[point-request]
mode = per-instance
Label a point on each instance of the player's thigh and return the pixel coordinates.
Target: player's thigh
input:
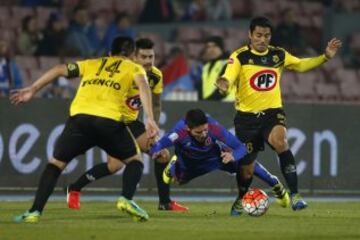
(117, 140)
(74, 139)
(274, 130)
(137, 128)
(248, 130)
(114, 164)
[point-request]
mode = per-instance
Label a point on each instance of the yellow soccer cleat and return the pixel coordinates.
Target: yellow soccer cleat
(28, 217)
(282, 196)
(167, 178)
(130, 207)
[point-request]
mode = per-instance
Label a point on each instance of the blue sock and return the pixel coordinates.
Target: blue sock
(261, 172)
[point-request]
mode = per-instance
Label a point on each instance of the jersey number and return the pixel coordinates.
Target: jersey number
(112, 68)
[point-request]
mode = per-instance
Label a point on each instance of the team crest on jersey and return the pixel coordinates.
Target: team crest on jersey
(251, 61)
(275, 58)
(230, 61)
(134, 102)
(264, 80)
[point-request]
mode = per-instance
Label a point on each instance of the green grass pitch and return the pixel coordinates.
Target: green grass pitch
(206, 220)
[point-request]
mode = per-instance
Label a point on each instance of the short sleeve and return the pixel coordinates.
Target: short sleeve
(158, 88)
(232, 69)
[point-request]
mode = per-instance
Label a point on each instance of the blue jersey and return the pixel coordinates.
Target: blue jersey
(196, 155)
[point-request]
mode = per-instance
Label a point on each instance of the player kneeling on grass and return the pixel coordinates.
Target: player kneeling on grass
(203, 145)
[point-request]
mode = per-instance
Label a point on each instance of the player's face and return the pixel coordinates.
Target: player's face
(145, 57)
(200, 133)
(260, 38)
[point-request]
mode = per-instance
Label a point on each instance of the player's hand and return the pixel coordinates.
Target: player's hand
(227, 157)
(152, 129)
(222, 84)
(163, 156)
(332, 47)
(22, 95)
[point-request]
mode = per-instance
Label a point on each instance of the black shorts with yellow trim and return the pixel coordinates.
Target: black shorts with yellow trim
(136, 127)
(253, 129)
(83, 132)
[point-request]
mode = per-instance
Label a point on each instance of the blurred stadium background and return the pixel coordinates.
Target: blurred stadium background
(323, 104)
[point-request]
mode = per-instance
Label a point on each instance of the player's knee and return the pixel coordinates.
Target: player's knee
(59, 164)
(280, 145)
(115, 166)
(164, 157)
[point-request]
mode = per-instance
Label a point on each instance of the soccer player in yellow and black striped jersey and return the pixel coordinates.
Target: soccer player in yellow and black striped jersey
(95, 115)
(145, 56)
(254, 71)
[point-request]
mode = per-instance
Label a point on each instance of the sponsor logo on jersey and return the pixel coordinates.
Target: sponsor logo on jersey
(101, 82)
(264, 80)
(230, 61)
(134, 103)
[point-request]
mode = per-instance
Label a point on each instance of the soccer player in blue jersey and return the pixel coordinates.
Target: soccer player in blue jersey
(203, 145)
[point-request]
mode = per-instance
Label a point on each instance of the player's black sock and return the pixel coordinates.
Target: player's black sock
(131, 178)
(243, 184)
(288, 169)
(46, 186)
(98, 171)
(163, 188)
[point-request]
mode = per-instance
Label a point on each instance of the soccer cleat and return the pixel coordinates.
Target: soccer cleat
(131, 208)
(298, 202)
(236, 208)
(282, 196)
(28, 217)
(167, 178)
(173, 206)
(73, 198)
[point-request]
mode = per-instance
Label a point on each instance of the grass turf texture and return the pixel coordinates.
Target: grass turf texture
(206, 220)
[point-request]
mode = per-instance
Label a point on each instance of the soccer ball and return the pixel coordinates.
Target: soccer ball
(255, 202)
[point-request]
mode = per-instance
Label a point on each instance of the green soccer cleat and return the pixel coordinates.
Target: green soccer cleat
(298, 203)
(131, 208)
(236, 208)
(167, 178)
(282, 196)
(28, 217)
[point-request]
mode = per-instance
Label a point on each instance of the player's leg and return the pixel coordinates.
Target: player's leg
(73, 191)
(72, 142)
(277, 138)
(282, 196)
(119, 143)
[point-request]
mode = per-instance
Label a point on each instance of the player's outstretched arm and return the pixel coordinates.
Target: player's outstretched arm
(145, 96)
(26, 94)
(332, 47)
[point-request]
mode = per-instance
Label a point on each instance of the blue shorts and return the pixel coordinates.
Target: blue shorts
(186, 170)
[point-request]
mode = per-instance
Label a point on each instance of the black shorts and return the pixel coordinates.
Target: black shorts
(83, 132)
(136, 127)
(254, 129)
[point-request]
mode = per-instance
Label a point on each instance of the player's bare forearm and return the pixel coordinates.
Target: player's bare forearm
(50, 76)
(145, 95)
(156, 107)
(222, 84)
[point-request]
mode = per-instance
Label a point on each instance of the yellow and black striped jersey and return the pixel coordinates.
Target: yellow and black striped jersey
(256, 76)
(132, 104)
(104, 84)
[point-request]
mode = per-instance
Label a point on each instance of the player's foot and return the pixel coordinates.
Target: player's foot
(236, 208)
(28, 217)
(131, 208)
(173, 206)
(72, 198)
(167, 177)
(282, 196)
(297, 202)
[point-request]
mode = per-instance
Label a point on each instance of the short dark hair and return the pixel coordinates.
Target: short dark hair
(217, 40)
(124, 46)
(260, 22)
(144, 43)
(195, 118)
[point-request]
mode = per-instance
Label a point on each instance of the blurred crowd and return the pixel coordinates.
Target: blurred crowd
(39, 33)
